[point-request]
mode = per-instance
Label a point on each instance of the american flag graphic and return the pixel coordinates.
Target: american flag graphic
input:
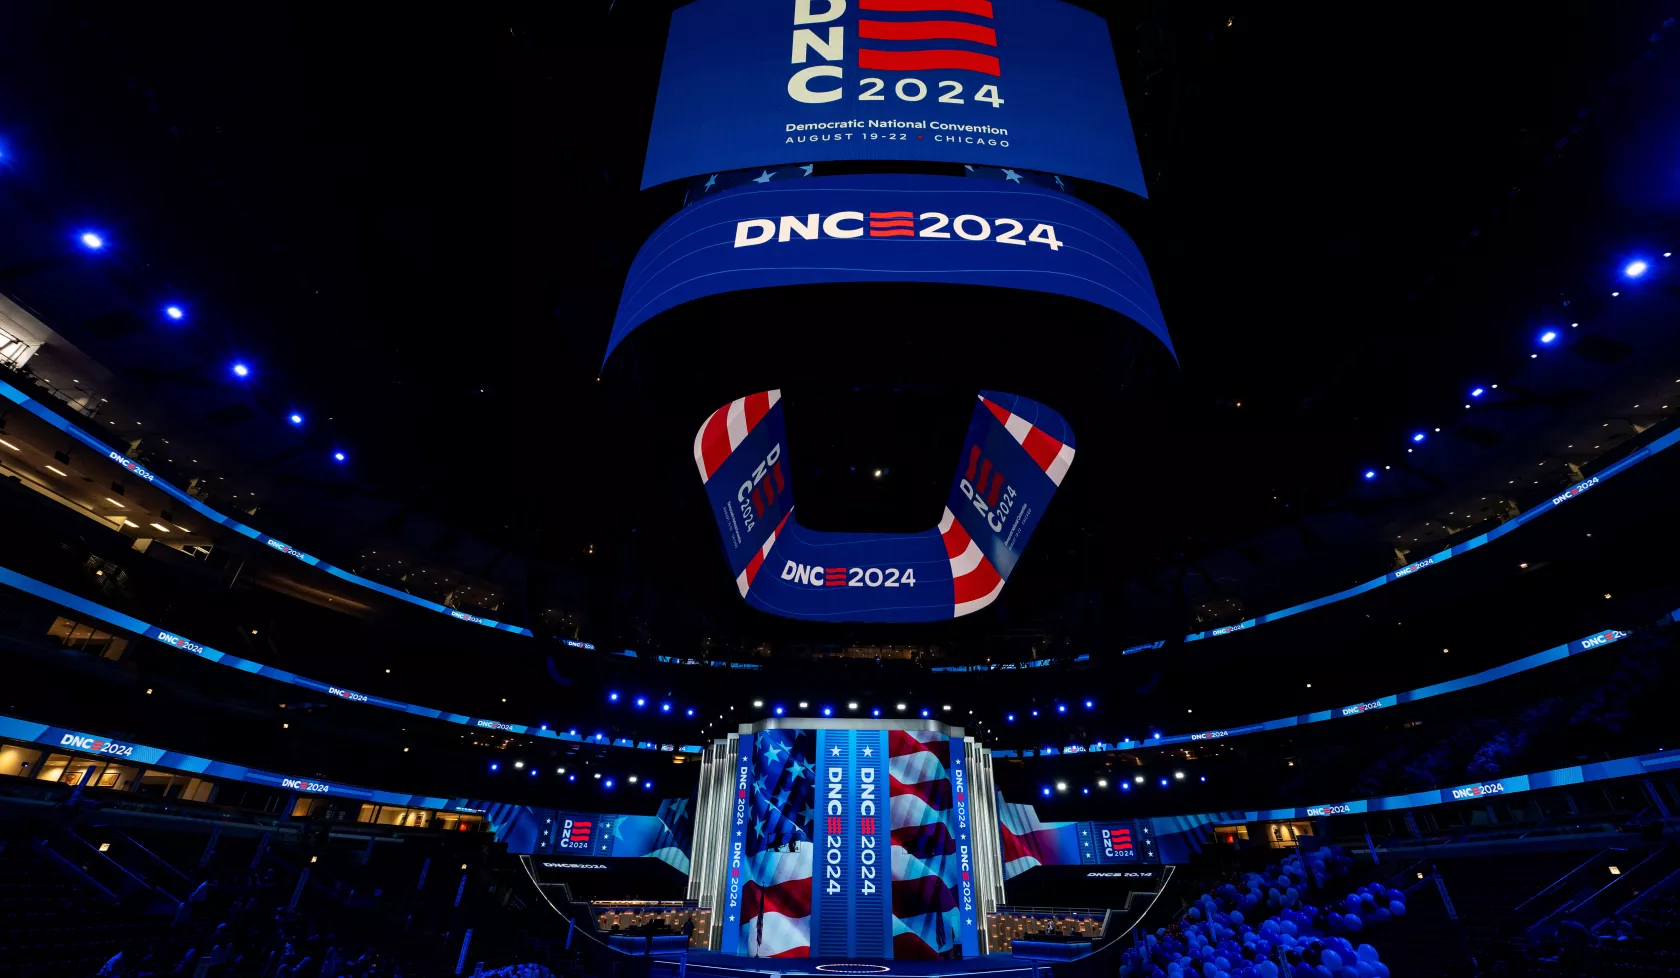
(776, 898)
(578, 831)
(1028, 842)
(896, 36)
(925, 867)
(1117, 839)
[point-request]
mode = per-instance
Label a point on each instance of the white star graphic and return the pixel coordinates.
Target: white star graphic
(869, 752)
(808, 168)
(835, 752)
(1011, 176)
(764, 177)
(711, 182)
(1059, 183)
(968, 168)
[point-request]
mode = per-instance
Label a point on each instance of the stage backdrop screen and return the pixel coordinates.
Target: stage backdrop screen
(855, 845)
(1010, 464)
(889, 227)
(1015, 83)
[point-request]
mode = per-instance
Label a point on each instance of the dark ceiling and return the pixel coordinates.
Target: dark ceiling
(414, 225)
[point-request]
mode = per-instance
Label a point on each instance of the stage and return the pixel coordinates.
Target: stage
(717, 963)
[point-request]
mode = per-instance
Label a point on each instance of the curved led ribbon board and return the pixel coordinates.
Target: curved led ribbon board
(1013, 459)
(134, 468)
(88, 610)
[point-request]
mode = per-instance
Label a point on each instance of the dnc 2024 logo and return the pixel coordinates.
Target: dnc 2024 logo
(895, 38)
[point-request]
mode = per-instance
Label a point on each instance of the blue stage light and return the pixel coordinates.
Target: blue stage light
(240, 370)
(924, 714)
(613, 697)
(1548, 336)
(1156, 736)
(571, 777)
(607, 784)
(647, 785)
(1636, 268)
(1010, 718)
(1045, 791)
(339, 456)
(1163, 782)
(295, 418)
(174, 312)
(641, 701)
(778, 711)
(494, 766)
(664, 707)
(828, 711)
(691, 711)
(1370, 473)
(876, 712)
(1125, 786)
(1204, 777)
(1418, 437)
(533, 772)
(1477, 392)
(91, 241)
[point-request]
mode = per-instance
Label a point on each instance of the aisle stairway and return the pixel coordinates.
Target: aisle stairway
(51, 926)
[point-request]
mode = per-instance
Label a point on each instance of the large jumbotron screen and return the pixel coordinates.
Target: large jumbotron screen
(850, 843)
(1010, 464)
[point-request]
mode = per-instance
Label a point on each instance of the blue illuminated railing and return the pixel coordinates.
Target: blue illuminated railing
(1512, 668)
(110, 616)
(134, 468)
(1621, 767)
(1434, 560)
(63, 738)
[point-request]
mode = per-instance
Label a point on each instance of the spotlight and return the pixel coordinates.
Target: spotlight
(1061, 707)
(91, 241)
(924, 714)
(1548, 336)
(1204, 777)
(901, 706)
(1102, 782)
(828, 712)
(240, 370)
(758, 704)
(804, 705)
(1010, 718)
(1138, 779)
(1045, 791)
(607, 783)
(647, 785)
(1085, 791)
(339, 457)
(1125, 786)
(494, 766)
(641, 701)
(519, 765)
(852, 705)
(691, 711)
(1163, 782)
(1179, 775)
(1035, 713)
(664, 707)
(1418, 436)
(778, 711)
(1370, 473)
(174, 312)
(1061, 786)
(876, 712)
(1478, 392)
(1089, 704)
(613, 697)
(1635, 268)
(632, 779)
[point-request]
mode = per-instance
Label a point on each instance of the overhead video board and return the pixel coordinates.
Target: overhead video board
(1020, 83)
(1011, 462)
(889, 228)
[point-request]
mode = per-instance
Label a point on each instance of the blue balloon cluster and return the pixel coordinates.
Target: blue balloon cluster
(1259, 927)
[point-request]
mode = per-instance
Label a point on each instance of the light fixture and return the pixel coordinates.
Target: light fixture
(877, 473)
(113, 502)
(632, 779)
(1179, 775)
(9, 445)
(241, 370)
(338, 456)
(758, 704)
(1635, 268)
(852, 705)
(1370, 473)
(1138, 779)
(1548, 336)
(901, 706)
(174, 312)
(804, 705)
(295, 418)
(1478, 392)
(1418, 436)
(519, 765)
(1102, 782)
(1061, 786)
(91, 241)
(55, 470)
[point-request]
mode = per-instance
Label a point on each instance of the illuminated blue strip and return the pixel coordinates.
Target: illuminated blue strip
(86, 609)
(1621, 767)
(1616, 468)
(76, 741)
(105, 451)
(1512, 668)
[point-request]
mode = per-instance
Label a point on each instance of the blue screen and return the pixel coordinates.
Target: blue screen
(1011, 462)
(889, 228)
(1018, 83)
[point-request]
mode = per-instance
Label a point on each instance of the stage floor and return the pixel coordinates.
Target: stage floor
(717, 963)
